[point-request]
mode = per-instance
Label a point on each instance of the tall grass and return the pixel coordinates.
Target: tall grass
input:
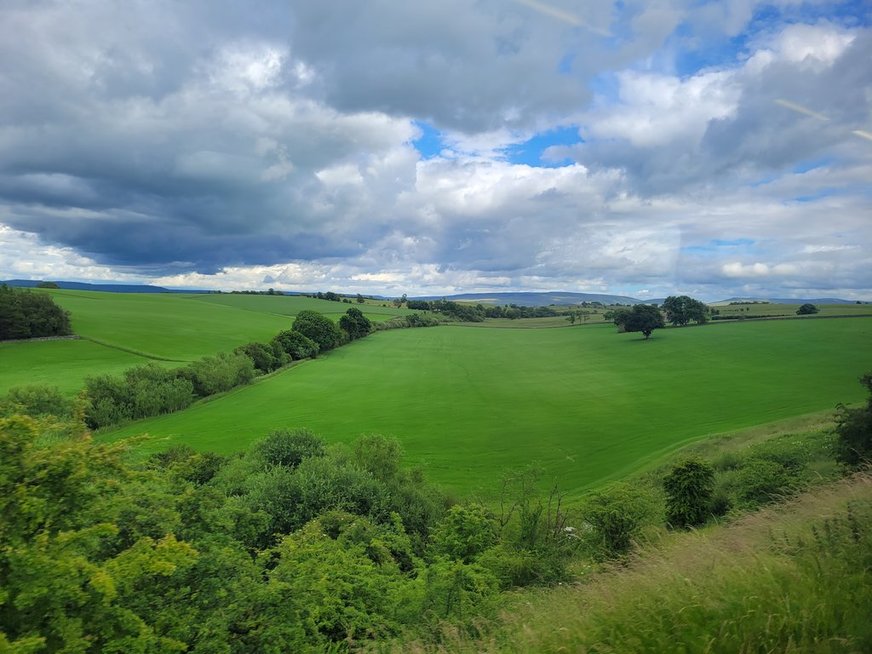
(796, 578)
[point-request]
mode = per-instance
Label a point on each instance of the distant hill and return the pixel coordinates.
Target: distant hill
(535, 299)
(109, 287)
(793, 300)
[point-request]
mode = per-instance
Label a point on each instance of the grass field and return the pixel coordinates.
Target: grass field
(125, 329)
(586, 403)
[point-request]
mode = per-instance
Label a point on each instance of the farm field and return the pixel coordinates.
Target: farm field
(585, 403)
(120, 330)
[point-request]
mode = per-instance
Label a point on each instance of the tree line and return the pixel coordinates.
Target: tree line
(479, 312)
(24, 314)
(151, 390)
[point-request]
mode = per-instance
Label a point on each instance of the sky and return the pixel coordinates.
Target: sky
(636, 147)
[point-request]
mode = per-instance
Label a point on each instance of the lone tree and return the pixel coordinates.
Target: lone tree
(807, 309)
(643, 318)
(854, 431)
(681, 309)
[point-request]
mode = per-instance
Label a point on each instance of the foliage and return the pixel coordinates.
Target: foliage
(465, 533)
(288, 448)
(854, 431)
(295, 345)
(689, 493)
(36, 400)
(24, 314)
(265, 358)
(807, 309)
(412, 320)
(142, 391)
(681, 309)
(355, 324)
(219, 373)
(643, 318)
(616, 515)
(319, 328)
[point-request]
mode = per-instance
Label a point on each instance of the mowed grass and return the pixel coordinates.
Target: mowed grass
(120, 330)
(586, 404)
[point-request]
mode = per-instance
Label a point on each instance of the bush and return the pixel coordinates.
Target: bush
(807, 309)
(617, 515)
(141, 392)
(295, 345)
(218, 373)
(36, 400)
(264, 357)
(854, 431)
(689, 490)
(319, 328)
(465, 533)
(289, 448)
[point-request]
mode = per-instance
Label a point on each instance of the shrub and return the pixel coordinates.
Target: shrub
(24, 314)
(807, 309)
(466, 532)
(295, 345)
(616, 515)
(355, 324)
(218, 373)
(36, 400)
(289, 448)
(854, 431)
(262, 356)
(689, 490)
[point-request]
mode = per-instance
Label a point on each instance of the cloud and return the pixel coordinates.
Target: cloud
(206, 144)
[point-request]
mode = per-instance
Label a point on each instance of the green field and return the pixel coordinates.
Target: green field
(586, 403)
(120, 330)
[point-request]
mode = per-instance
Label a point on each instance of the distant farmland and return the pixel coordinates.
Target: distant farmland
(586, 403)
(123, 330)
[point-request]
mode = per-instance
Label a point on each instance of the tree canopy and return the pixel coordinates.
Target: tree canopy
(807, 309)
(355, 323)
(643, 318)
(319, 328)
(24, 314)
(681, 309)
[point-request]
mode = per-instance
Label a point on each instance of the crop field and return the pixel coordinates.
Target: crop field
(585, 403)
(120, 330)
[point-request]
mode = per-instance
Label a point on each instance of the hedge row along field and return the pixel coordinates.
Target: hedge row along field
(588, 404)
(121, 330)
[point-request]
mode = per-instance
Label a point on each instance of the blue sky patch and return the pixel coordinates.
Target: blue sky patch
(430, 143)
(530, 151)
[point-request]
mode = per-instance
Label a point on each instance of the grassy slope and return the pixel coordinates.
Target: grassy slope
(792, 578)
(587, 403)
(126, 329)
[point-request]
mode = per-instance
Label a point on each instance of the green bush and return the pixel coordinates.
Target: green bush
(24, 314)
(319, 328)
(264, 357)
(689, 491)
(616, 515)
(36, 400)
(289, 448)
(295, 345)
(219, 373)
(355, 324)
(853, 446)
(465, 533)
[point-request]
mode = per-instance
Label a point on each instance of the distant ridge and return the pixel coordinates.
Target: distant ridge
(108, 287)
(535, 299)
(789, 300)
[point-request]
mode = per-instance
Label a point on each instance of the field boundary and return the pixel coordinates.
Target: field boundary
(130, 350)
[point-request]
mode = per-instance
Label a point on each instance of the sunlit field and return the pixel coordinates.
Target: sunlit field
(586, 403)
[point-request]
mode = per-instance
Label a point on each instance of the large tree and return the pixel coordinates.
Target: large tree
(319, 328)
(355, 323)
(643, 318)
(681, 309)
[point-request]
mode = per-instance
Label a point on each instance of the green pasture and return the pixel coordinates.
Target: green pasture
(586, 403)
(120, 330)
(788, 310)
(61, 363)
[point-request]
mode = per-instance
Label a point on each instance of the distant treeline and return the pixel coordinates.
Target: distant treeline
(478, 312)
(24, 314)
